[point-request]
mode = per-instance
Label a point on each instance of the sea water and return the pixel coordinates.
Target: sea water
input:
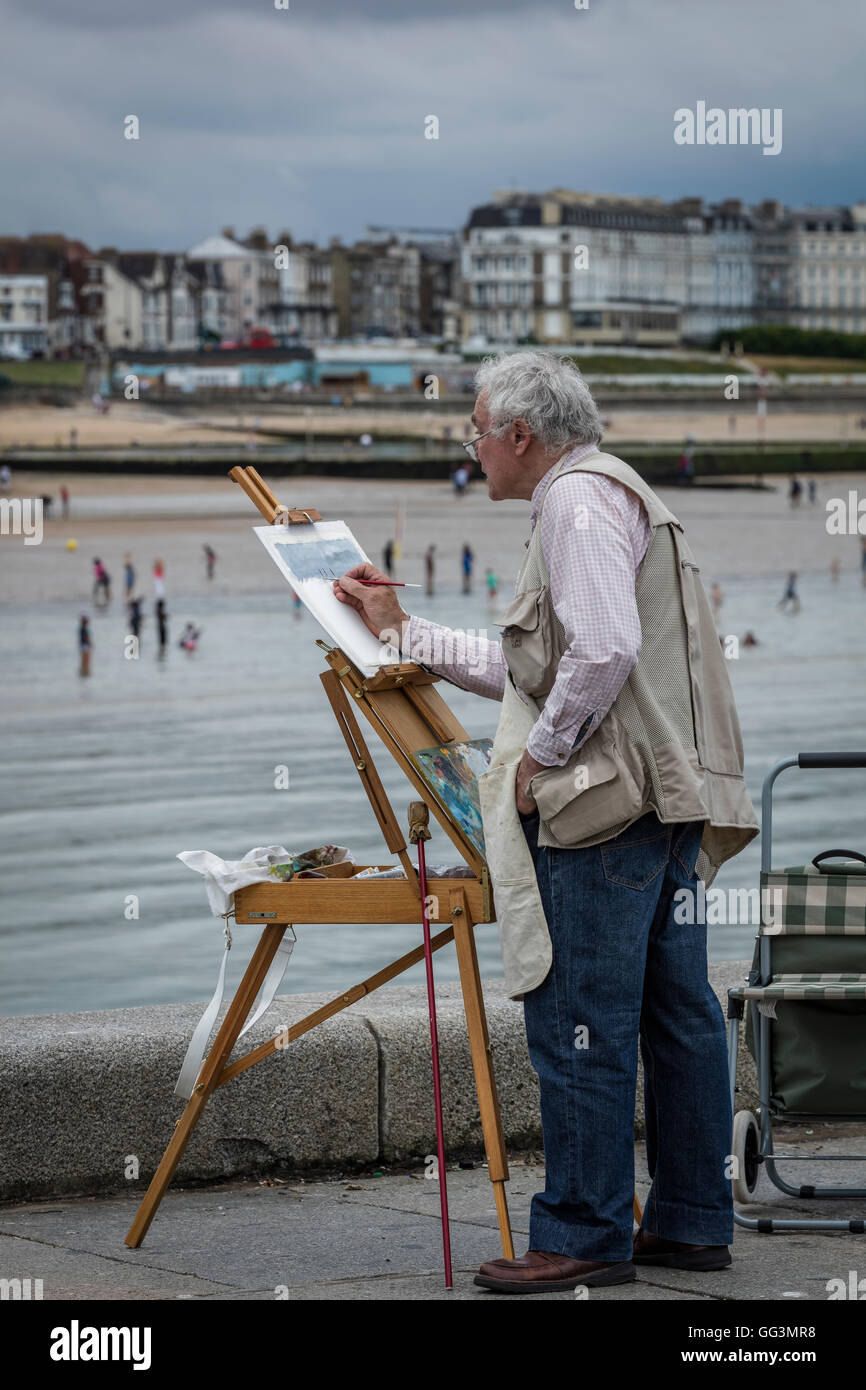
(105, 780)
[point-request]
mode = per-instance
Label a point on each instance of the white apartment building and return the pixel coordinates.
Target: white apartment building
(721, 274)
(306, 311)
(113, 306)
(23, 314)
(565, 267)
(250, 281)
(827, 282)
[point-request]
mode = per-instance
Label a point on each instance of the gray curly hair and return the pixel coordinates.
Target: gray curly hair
(546, 391)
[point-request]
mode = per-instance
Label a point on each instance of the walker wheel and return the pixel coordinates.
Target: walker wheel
(746, 1149)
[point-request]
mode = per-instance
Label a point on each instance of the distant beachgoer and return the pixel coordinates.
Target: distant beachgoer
(750, 640)
(388, 558)
(96, 402)
(101, 583)
(161, 626)
(64, 500)
(834, 568)
(467, 560)
(136, 618)
(189, 638)
(73, 438)
(460, 479)
(717, 598)
(47, 503)
(813, 491)
(128, 577)
(210, 560)
(492, 583)
(85, 645)
(790, 595)
(795, 490)
(687, 464)
(159, 578)
(429, 569)
(5, 477)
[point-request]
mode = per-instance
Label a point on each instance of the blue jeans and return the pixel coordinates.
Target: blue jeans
(624, 968)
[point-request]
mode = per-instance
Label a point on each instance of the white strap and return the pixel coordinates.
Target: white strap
(198, 1042)
(273, 980)
(189, 1072)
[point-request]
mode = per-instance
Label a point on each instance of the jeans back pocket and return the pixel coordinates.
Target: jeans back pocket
(638, 854)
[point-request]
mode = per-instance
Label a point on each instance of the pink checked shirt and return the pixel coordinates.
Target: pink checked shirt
(594, 536)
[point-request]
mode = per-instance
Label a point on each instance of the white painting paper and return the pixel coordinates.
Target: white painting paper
(311, 556)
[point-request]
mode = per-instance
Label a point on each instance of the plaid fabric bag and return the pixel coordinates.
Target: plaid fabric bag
(815, 998)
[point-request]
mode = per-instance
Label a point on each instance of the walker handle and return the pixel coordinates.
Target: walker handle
(843, 759)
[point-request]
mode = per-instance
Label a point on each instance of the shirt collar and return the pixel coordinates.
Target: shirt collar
(574, 456)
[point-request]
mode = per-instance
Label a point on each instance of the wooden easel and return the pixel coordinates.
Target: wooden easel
(407, 714)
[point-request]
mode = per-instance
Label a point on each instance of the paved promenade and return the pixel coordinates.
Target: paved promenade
(377, 1236)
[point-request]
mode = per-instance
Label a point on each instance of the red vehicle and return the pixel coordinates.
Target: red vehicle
(260, 338)
(256, 338)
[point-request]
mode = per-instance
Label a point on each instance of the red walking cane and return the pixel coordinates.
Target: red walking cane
(419, 816)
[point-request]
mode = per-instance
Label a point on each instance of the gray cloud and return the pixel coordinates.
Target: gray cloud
(312, 118)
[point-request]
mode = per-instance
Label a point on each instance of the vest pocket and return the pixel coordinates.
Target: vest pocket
(602, 784)
(527, 642)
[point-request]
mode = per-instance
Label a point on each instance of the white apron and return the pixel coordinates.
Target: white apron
(527, 952)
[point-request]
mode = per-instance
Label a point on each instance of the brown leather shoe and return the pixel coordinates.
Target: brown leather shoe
(676, 1254)
(539, 1271)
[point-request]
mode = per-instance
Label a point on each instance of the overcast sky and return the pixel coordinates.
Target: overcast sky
(312, 118)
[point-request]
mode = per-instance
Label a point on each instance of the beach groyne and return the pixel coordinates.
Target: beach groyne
(414, 461)
(88, 1101)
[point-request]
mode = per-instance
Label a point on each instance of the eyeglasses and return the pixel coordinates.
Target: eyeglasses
(469, 444)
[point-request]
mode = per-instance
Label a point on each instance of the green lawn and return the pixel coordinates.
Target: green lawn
(616, 363)
(600, 363)
(45, 373)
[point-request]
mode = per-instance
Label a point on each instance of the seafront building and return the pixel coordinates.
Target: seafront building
(23, 314)
(563, 267)
(32, 320)
(555, 268)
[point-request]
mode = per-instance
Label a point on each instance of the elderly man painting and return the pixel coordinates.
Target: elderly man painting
(616, 780)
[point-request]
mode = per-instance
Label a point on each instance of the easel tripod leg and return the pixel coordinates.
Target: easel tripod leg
(214, 1064)
(482, 1063)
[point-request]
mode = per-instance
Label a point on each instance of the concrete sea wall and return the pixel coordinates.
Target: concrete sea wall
(87, 1100)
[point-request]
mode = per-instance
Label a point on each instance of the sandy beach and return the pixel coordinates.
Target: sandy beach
(133, 423)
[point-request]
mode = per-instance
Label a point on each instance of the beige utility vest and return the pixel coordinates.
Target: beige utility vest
(671, 740)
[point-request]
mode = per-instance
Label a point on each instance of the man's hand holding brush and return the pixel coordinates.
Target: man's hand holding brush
(370, 592)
